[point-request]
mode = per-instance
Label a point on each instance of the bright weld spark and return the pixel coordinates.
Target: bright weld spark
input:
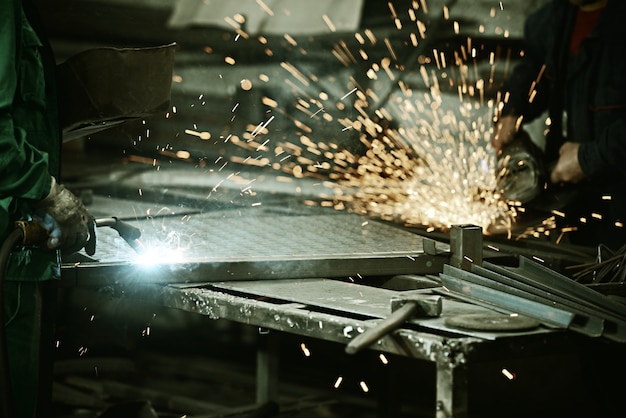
(508, 374)
(265, 7)
(201, 135)
(262, 126)
(329, 23)
(321, 109)
(338, 382)
(383, 359)
(348, 93)
(305, 350)
(156, 253)
(364, 387)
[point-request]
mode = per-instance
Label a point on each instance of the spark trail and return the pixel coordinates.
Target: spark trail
(425, 158)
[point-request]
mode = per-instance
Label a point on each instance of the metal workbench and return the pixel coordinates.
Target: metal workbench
(307, 274)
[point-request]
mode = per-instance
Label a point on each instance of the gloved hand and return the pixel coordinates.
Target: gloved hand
(70, 226)
(505, 130)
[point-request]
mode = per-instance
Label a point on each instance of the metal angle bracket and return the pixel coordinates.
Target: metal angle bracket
(581, 299)
(567, 285)
(456, 280)
(585, 321)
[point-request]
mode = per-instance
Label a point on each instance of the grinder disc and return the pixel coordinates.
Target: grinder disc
(492, 322)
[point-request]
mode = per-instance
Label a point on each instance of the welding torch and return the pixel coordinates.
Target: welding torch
(32, 233)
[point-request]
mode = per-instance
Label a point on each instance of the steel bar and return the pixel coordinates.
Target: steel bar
(552, 317)
(569, 286)
(540, 283)
(585, 320)
(587, 316)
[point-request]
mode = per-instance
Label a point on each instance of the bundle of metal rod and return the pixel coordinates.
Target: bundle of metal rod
(610, 268)
(535, 291)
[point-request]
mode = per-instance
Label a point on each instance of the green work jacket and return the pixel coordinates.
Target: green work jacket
(30, 138)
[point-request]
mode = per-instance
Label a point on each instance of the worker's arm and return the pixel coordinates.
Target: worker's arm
(24, 171)
(23, 168)
(521, 99)
(606, 156)
(522, 102)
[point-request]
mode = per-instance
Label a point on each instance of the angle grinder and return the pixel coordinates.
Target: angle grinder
(520, 171)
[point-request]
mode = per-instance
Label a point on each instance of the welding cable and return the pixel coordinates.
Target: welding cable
(6, 393)
(24, 233)
(33, 233)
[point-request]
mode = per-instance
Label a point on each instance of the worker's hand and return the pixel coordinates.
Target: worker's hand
(505, 130)
(567, 169)
(70, 226)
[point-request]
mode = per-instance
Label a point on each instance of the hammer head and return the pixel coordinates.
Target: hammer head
(426, 305)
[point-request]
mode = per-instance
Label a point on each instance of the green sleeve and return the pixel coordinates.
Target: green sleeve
(23, 168)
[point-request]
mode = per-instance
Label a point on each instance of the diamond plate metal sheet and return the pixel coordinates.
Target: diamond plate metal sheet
(234, 244)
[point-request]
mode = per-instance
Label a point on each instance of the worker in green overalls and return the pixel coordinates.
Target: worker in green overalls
(30, 144)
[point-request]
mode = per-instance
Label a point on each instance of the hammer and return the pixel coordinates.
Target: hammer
(403, 308)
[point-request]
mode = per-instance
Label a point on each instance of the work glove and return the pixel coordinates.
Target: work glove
(70, 226)
(505, 131)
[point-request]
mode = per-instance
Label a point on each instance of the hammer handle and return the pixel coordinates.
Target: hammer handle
(384, 327)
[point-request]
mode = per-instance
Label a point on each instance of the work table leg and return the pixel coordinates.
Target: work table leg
(452, 399)
(267, 368)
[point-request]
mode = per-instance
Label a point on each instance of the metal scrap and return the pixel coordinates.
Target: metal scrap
(541, 293)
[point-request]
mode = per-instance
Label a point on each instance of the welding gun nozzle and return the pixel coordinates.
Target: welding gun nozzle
(129, 233)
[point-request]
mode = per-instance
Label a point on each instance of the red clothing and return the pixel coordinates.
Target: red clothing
(585, 23)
